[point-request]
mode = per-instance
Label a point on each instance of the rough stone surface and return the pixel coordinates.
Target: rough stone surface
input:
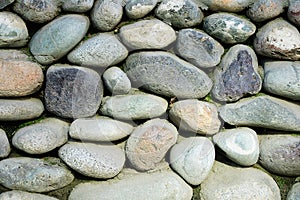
(20, 109)
(133, 107)
(159, 186)
(37, 11)
(294, 193)
(77, 5)
(179, 13)
(278, 39)
(5, 3)
(13, 30)
(93, 160)
(33, 174)
(193, 159)
(101, 50)
(282, 78)
(263, 111)
(228, 28)
(58, 37)
(147, 34)
(280, 154)
(240, 145)
(139, 8)
(99, 129)
(19, 78)
(165, 74)
(22, 195)
(293, 12)
(225, 5)
(106, 14)
(4, 144)
(72, 91)
(198, 48)
(237, 75)
(116, 81)
(227, 183)
(13, 54)
(148, 144)
(41, 137)
(197, 116)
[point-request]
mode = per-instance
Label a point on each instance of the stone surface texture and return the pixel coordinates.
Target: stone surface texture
(4, 144)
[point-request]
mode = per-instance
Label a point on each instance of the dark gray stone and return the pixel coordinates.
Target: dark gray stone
(4, 144)
(139, 8)
(77, 5)
(293, 12)
(221, 5)
(237, 75)
(166, 74)
(116, 81)
(294, 193)
(228, 28)
(72, 91)
(5, 3)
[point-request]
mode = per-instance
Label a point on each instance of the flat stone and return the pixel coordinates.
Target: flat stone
(237, 75)
(197, 116)
(13, 30)
(226, 182)
(293, 12)
(179, 13)
(198, 48)
(13, 54)
(228, 28)
(33, 174)
(72, 92)
(159, 186)
(20, 109)
(240, 145)
(93, 160)
(148, 144)
(4, 144)
(22, 195)
(280, 154)
(225, 5)
(282, 78)
(106, 14)
(193, 159)
(37, 11)
(5, 3)
(278, 39)
(99, 129)
(77, 5)
(263, 111)
(101, 50)
(147, 34)
(116, 81)
(294, 192)
(41, 137)
(133, 107)
(166, 74)
(20, 78)
(136, 9)
(58, 37)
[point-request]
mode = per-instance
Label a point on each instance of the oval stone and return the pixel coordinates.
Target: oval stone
(13, 54)
(139, 8)
(224, 5)
(294, 192)
(4, 144)
(57, 38)
(116, 81)
(22, 195)
(77, 5)
(5, 3)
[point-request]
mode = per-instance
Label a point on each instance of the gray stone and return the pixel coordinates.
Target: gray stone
(282, 78)
(133, 107)
(72, 91)
(228, 28)
(99, 129)
(159, 186)
(228, 5)
(179, 13)
(37, 11)
(147, 34)
(240, 145)
(294, 193)
(263, 111)
(166, 74)
(106, 14)
(57, 38)
(278, 39)
(5, 3)
(13, 30)
(139, 8)
(13, 54)
(20, 109)
(227, 183)
(4, 144)
(22, 195)
(237, 75)
(148, 144)
(33, 174)
(198, 48)
(197, 116)
(101, 50)
(93, 160)
(293, 12)
(41, 137)
(193, 159)
(280, 154)
(77, 5)
(116, 81)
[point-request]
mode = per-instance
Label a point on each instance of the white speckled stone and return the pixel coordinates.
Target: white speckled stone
(116, 81)
(139, 8)
(4, 144)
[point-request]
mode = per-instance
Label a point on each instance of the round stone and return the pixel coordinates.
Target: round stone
(294, 192)
(77, 5)
(221, 5)
(4, 144)
(139, 8)
(22, 195)
(116, 81)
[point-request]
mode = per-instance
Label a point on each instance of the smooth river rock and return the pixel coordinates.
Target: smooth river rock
(4, 144)
(13, 54)
(116, 81)
(33, 174)
(225, 5)
(22, 195)
(79, 6)
(139, 8)
(294, 193)
(166, 74)
(58, 37)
